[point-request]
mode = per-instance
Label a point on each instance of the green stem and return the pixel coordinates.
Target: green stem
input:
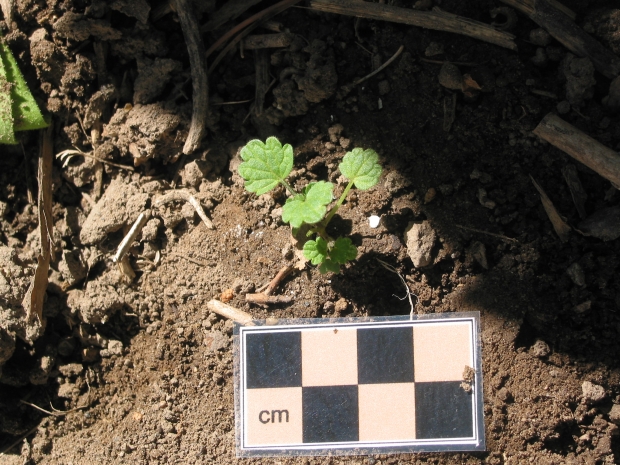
(289, 188)
(333, 211)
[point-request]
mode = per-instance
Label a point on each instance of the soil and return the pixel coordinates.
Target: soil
(137, 370)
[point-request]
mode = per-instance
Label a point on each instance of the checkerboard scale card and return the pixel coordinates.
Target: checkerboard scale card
(348, 386)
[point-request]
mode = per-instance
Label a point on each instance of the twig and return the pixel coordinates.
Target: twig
(580, 146)
(131, 235)
(29, 187)
(480, 231)
(182, 194)
(232, 313)
(436, 20)
(66, 155)
(198, 67)
(190, 259)
(348, 87)
(265, 297)
(457, 63)
(389, 267)
(56, 413)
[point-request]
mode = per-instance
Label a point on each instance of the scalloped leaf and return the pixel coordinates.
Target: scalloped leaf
(343, 251)
(265, 164)
(362, 167)
(309, 207)
(316, 251)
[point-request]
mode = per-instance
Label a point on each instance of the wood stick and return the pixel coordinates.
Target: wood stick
(258, 41)
(261, 65)
(182, 194)
(529, 6)
(198, 66)
(275, 282)
(228, 311)
(439, 21)
(546, 14)
(580, 146)
(137, 226)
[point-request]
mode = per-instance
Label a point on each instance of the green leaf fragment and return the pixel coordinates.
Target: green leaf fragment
(316, 251)
(343, 251)
(361, 167)
(309, 207)
(265, 164)
(18, 109)
(329, 265)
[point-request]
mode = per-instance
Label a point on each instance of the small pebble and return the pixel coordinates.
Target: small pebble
(450, 77)
(434, 49)
(373, 221)
(540, 59)
(430, 195)
(576, 274)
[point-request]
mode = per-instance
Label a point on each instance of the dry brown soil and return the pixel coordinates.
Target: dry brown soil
(139, 371)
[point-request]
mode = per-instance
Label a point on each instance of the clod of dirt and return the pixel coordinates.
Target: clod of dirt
(153, 77)
(98, 104)
(478, 252)
(138, 9)
(604, 23)
(540, 37)
(145, 131)
(540, 58)
(71, 267)
(580, 82)
(75, 27)
(592, 393)
(80, 172)
(612, 99)
(289, 100)
(434, 49)
(614, 414)
(15, 277)
(319, 81)
(41, 371)
(450, 76)
(194, 172)
(420, 239)
(540, 349)
(603, 224)
(335, 132)
(99, 301)
(46, 57)
(120, 204)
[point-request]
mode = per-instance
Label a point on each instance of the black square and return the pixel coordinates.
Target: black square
(385, 355)
(273, 359)
(331, 414)
(443, 410)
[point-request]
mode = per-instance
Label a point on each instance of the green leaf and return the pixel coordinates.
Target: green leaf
(329, 265)
(265, 165)
(316, 251)
(18, 109)
(343, 251)
(362, 167)
(309, 207)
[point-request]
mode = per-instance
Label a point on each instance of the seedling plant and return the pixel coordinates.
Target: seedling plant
(268, 164)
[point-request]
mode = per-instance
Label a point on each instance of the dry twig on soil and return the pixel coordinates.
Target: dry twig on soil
(131, 235)
(182, 194)
(389, 267)
(33, 300)
(552, 16)
(265, 297)
(228, 311)
(436, 20)
(480, 231)
(198, 66)
(349, 87)
(580, 146)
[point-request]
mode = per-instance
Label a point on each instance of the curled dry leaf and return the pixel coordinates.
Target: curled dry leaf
(560, 226)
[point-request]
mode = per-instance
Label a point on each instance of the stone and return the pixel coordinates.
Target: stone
(478, 252)
(420, 239)
(216, 341)
(576, 274)
(450, 77)
(592, 392)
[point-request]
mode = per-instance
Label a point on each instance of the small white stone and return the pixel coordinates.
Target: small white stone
(373, 221)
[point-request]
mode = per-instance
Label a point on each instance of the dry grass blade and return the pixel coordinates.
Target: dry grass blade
(66, 155)
(35, 296)
(560, 226)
